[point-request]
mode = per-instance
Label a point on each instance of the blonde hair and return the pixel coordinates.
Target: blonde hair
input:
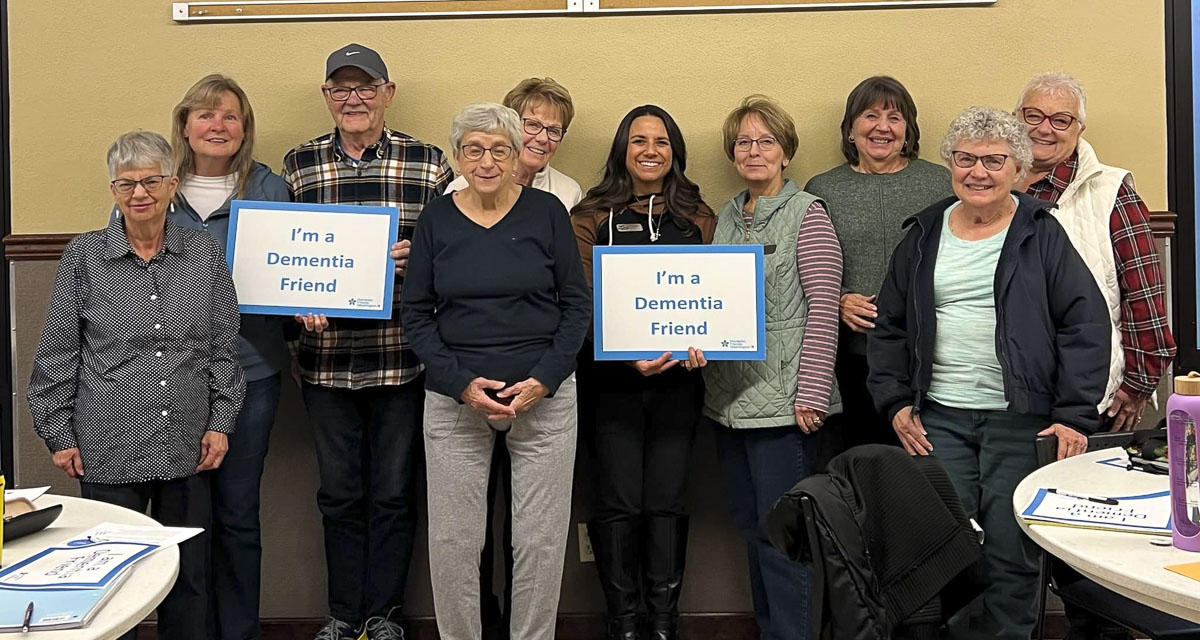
(206, 94)
(773, 117)
(531, 91)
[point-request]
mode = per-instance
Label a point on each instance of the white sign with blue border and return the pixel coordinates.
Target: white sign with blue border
(651, 299)
(289, 258)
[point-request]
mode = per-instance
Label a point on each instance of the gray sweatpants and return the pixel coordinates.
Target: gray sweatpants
(458, 450)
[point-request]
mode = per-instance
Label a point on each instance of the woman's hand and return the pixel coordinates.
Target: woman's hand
(655, 366)
(213, 447)
(524, 394)
(475, 396)
(1126, 410)
(69, 461)
(400, 252)
(315, 323)
(809, 419)
(857, 311)
(1070, 441)
(911, 432)
(695, 359)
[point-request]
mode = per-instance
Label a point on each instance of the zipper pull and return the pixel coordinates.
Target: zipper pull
(747, 234)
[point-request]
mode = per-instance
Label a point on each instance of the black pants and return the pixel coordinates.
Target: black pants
(184, 502)
(495, 608)
(642, 444)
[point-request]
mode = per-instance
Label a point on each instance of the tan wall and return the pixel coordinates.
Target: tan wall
(83, 72)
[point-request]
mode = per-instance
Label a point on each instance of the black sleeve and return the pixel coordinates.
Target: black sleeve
(574, 299)
(1083, 331)
(888, 354)
(417, 311)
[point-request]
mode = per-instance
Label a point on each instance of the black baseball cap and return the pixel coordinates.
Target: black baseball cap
(356, 55)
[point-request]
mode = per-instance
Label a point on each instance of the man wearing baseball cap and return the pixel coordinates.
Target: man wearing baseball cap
(361, 381)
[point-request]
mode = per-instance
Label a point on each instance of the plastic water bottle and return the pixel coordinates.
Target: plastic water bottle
(1183, 412)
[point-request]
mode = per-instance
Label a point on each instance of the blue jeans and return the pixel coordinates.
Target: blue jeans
(987, 453)
(236, 534)
(367, 447)
(759, 466)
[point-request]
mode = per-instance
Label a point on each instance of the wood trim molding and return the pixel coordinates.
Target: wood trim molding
(49, 246)
(1163, 223)
(36, 246)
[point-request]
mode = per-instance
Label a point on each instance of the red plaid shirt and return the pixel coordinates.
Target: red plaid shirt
(1145, 336)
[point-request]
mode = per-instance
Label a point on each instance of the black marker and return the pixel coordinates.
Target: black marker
(1080, 496)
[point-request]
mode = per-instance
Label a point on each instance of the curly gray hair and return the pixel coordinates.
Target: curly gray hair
(989, 123)
(487, 117)
(1057, 83)
(138, 149)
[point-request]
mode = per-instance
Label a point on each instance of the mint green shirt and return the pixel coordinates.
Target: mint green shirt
(966, 372)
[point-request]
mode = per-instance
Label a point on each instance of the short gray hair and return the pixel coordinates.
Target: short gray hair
(140, 149)
(989, 123)
(1057, 83)
(486, 117)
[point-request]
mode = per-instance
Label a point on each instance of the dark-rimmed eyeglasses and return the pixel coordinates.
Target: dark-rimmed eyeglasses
(533, 127)
(991, 162)
(125, 186)
(500, 152)
(1060, 121)
(364, 91)
(765, 143)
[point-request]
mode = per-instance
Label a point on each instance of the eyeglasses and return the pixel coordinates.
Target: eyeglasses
(764, 144)
(1060, 121)
(991, 162)
(500, 153)
(365, 92)
(151, 184)
(533, 127)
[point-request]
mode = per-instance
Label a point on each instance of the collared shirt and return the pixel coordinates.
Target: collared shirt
(397, 171)
(138, 358)
(1145, 336)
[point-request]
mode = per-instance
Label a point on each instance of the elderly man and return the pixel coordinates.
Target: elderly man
(360, 379)
(1110, 226)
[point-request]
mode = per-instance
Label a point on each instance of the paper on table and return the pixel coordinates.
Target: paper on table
(1148, 513)
(74, 565)
(1188, 569)
(158, 536)
(29, 494)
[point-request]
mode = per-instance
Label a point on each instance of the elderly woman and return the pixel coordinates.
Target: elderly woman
(765, 413)
(645, 412)
(974, 374)
(136, 384)
(212, 135)
(1099, 208)
(882, 183)
(546, 111)
(498, 330)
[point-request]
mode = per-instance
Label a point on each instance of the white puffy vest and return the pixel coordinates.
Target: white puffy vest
(1084, 211)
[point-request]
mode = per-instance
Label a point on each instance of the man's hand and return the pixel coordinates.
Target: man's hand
(1070, 441)
(1126, 410)
(475, 397)
(69, 461)
(213, 447)
(655, 366)
(911, 432)
(857, 311)
(400, 252)
(525, 394)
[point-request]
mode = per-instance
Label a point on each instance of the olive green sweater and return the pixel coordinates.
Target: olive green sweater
(867, 212)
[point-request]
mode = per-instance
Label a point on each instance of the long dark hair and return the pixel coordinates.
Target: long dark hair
(615, 189)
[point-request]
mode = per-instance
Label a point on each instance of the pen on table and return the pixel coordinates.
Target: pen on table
(1080, 496)
(28, 617)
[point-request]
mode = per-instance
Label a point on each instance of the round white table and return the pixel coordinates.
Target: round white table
(1124, 562)
(149, 583)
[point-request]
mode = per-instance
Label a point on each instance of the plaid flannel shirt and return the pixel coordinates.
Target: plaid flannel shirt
(397, 171)
(1145, 336)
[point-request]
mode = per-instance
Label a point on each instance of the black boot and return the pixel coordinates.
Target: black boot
(664, 557)
(615, 547)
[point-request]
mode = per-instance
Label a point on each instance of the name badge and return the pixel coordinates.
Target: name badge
(630, 227)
